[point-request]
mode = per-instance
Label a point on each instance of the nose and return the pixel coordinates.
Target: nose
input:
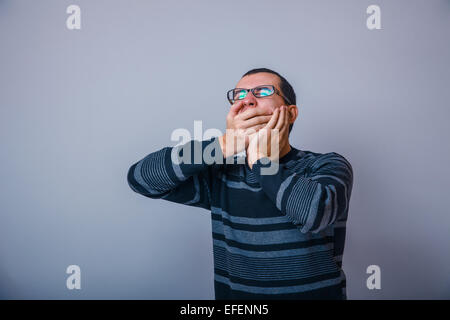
(249, 100)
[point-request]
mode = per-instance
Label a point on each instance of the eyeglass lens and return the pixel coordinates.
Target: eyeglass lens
(258, 92)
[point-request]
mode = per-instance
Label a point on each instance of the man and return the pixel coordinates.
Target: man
(275, 236)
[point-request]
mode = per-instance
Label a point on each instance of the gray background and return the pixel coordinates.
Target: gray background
(79, 107)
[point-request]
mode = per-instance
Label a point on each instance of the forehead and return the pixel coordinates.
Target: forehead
(258, 79)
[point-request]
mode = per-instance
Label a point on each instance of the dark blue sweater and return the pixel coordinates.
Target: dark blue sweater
(277, 236)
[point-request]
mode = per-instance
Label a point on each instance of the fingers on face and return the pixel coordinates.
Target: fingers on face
(236, 107)
(280, 121)
(256, 121)
(253, 130)
(286, 124)
(273, 120)
(283, 121)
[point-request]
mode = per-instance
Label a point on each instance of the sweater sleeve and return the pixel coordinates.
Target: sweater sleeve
(312, 200)
(188, 182)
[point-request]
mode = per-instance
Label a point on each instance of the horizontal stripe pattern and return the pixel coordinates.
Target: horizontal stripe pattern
(325, 292)
(247, 287)
(260, 234)
(271, 247)
(307, 248)
(273, 236)
(275, 268)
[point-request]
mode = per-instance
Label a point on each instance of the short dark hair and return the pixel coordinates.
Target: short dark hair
(285, 87)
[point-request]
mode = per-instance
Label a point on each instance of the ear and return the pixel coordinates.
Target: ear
(293, 113)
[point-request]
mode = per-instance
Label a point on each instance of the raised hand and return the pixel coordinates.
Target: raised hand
(271, 139)
(240, 127)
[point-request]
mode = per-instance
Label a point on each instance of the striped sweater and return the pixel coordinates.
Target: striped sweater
(277, 236)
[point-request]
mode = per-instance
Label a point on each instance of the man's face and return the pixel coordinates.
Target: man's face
(265, 104)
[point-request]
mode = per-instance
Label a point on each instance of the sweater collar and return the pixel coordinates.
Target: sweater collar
(290, 155)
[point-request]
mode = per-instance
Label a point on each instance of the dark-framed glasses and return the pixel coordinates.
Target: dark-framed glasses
(259, 92)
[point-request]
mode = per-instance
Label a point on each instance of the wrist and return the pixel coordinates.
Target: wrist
(253, 158)
(223, 146)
